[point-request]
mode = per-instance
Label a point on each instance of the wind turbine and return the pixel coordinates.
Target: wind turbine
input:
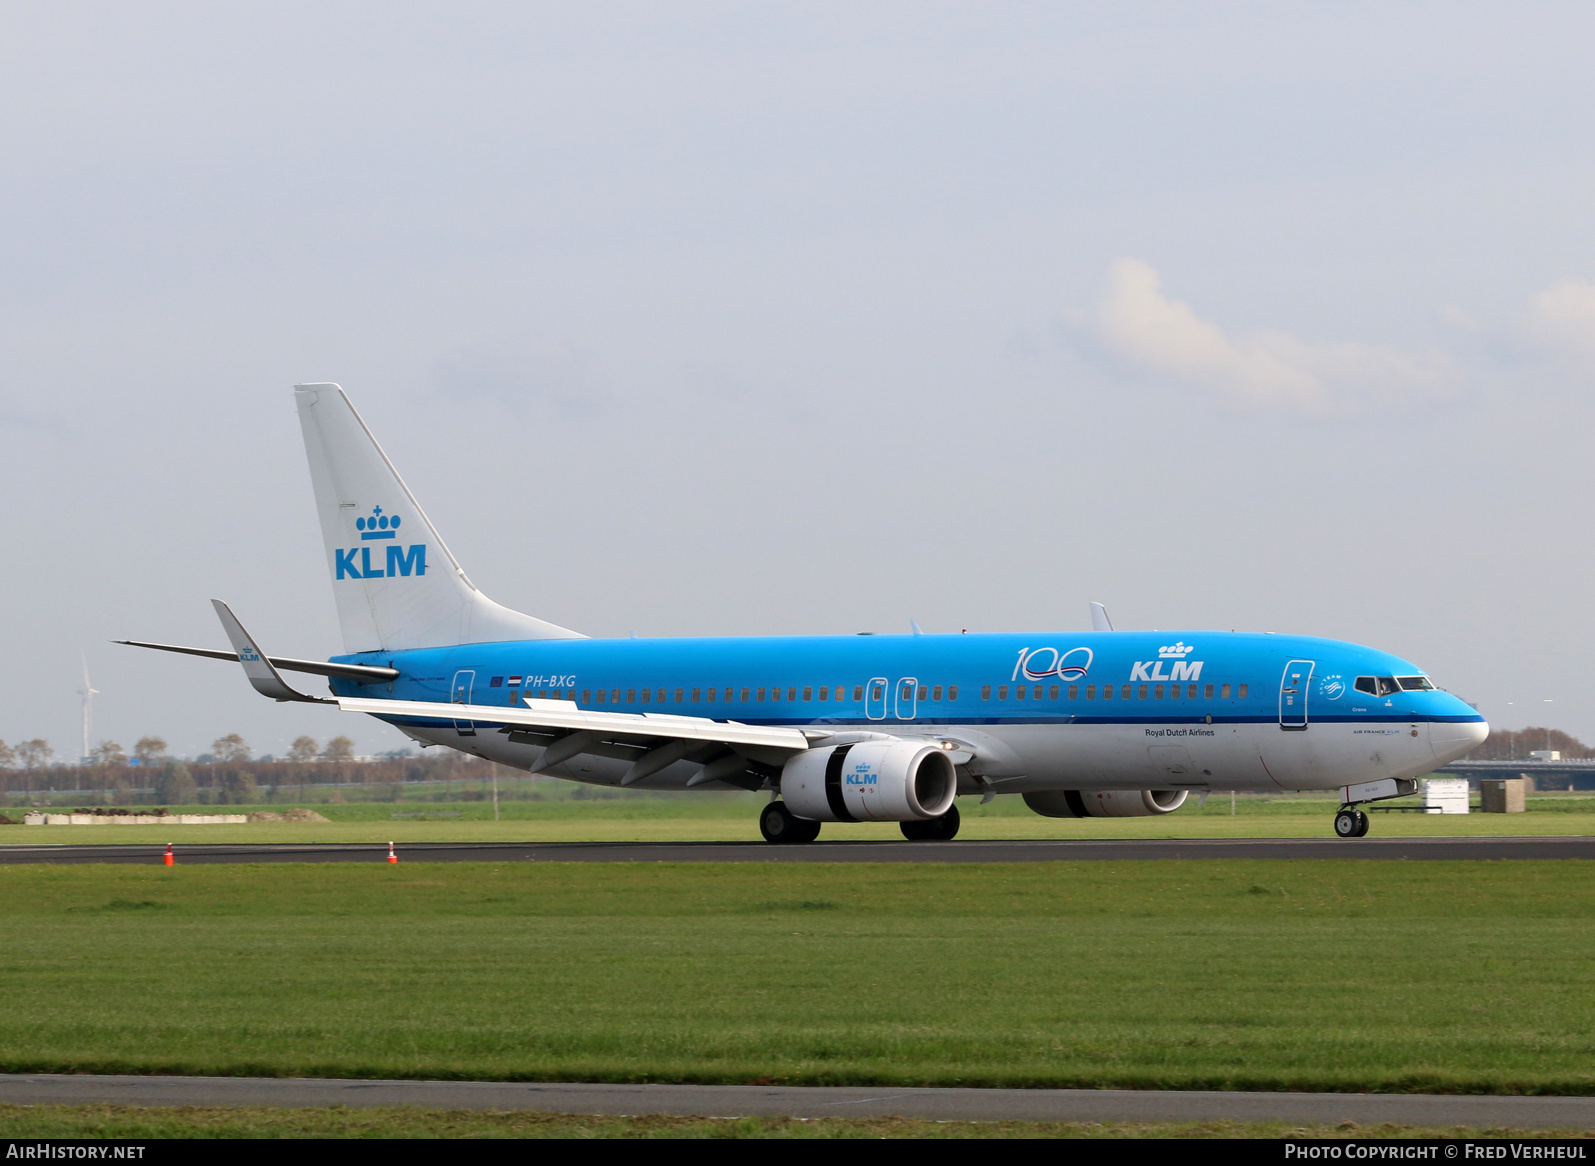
(87, 693)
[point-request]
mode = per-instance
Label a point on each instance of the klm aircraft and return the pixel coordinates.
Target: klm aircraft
(868, 728)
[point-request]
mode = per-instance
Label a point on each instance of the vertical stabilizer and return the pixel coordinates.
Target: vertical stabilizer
(396, 584)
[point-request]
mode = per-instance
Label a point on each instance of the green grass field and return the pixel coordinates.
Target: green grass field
(1320, 975)
(734, 817)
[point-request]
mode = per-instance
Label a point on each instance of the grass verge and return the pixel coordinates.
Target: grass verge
(734, 818)
(1310, 975)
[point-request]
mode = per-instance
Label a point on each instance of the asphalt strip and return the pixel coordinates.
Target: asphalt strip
(1042, 850)
(1062, 1105)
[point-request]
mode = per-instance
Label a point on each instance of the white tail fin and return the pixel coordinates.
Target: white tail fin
(396, 584)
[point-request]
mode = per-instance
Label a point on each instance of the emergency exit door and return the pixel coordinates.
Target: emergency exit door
(875, 698)
(907, 698)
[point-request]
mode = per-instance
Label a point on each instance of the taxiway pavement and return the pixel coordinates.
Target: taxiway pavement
(1063, 1105)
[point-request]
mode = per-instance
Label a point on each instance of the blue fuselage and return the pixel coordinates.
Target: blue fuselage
(1228, 710)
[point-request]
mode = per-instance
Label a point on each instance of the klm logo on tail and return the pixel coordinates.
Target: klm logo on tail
(355, 563)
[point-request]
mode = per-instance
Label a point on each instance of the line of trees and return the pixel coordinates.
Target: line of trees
(229, 773)
(1507, 745)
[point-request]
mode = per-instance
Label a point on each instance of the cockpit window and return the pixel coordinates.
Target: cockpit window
(1385, 685)
(1414, 683)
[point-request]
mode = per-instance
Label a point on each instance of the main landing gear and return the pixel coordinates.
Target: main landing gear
(942, 829)
(1351, 822)
(779, 824)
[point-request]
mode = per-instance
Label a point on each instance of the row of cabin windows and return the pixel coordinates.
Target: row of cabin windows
(756, 695)
(773, 694)
(1126, 692)
(926, 692)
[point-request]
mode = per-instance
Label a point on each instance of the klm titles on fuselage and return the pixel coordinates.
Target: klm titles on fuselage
(1182, 670)
(405, 561)
(1175, 654)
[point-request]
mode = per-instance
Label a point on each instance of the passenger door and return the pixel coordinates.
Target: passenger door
(1293, 688)
(460, 693)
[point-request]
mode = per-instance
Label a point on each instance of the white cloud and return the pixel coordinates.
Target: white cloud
(1140, 323)
(1562, 319)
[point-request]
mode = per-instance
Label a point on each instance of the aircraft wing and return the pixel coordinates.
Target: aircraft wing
(565, 715)
(652, 741)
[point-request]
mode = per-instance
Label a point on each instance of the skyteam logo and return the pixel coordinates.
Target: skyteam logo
(1174, 654)
(355, 563)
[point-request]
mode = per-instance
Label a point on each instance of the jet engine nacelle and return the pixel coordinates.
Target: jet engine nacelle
(870, 781)
(1105, 803)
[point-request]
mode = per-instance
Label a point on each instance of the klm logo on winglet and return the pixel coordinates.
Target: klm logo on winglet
(355, 563)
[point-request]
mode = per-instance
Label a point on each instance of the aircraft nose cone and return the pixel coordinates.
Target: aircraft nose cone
(1452, 739)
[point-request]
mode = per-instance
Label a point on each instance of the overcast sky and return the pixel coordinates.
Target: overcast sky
(758, 318)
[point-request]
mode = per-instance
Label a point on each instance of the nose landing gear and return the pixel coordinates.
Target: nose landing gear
(1351, 823)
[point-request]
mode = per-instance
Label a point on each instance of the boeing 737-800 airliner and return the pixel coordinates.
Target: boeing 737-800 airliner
(862, 728)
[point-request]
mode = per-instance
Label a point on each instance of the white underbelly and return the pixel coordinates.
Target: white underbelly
(1248, 756)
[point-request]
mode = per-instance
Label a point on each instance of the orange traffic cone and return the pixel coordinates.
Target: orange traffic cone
(391, 856)
(169, 859)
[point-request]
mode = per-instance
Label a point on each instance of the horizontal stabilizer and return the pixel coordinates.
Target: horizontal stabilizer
(364, 673)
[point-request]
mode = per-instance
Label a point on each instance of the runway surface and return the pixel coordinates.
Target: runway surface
(1046, 850)
(1080, 1105)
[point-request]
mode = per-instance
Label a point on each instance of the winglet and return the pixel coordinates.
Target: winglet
(1099, 618)
(261, 672)
(914, 624)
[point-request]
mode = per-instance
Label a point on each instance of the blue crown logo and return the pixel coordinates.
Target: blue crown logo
(379, 525)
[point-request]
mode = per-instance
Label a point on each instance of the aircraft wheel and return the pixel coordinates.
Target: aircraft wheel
(1362, 823)
(779, 824)
(1346, 823)
(942, 829)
